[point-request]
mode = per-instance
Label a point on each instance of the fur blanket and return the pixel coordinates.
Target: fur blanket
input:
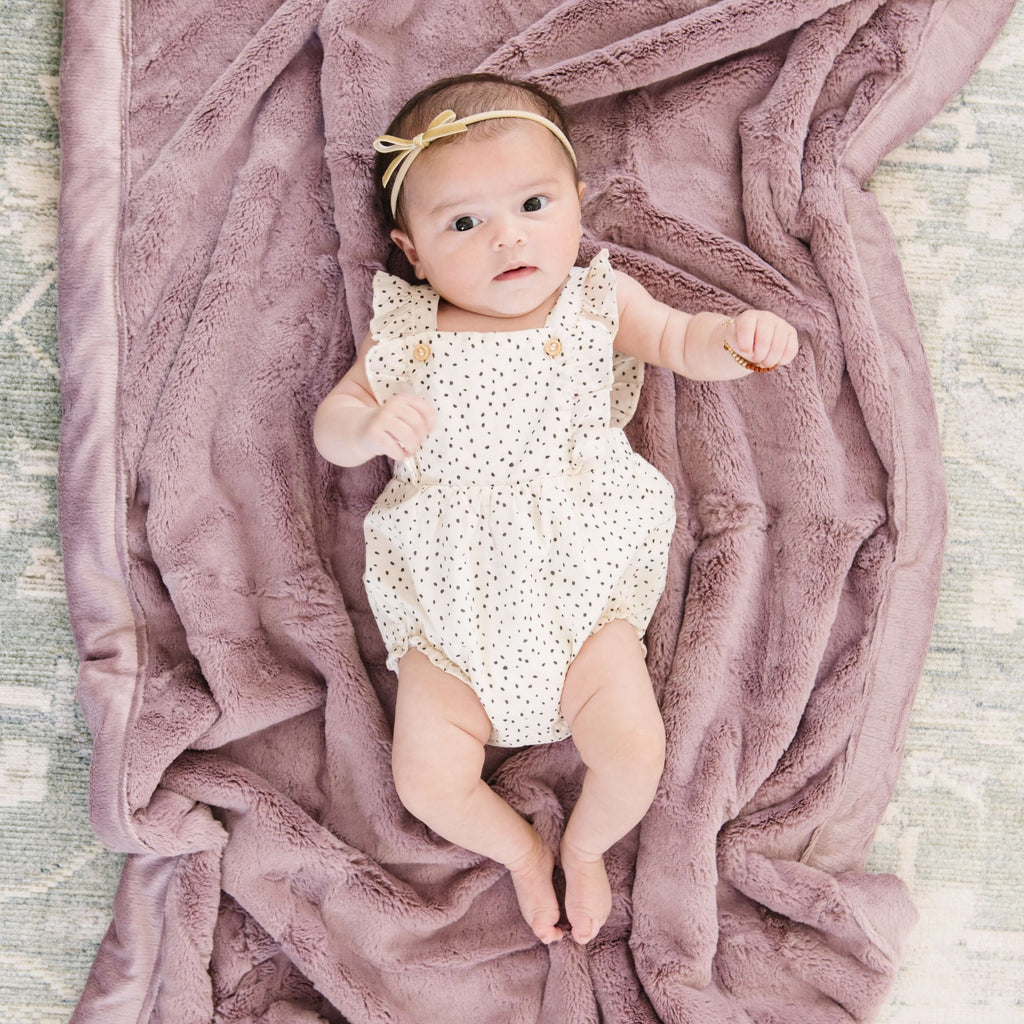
(218, 238)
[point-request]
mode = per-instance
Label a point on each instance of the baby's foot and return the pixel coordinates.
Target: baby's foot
(588, 896)
(535, 890)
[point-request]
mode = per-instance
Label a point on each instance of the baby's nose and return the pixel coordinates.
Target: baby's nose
(509, 232)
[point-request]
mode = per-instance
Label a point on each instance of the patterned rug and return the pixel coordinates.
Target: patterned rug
(955, 198)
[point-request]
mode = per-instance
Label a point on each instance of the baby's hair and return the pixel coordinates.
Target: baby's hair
(465, 94)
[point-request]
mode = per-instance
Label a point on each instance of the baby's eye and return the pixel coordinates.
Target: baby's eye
(535, 203)
(466, 223)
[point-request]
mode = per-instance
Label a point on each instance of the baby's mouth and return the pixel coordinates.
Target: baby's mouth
(515, 272)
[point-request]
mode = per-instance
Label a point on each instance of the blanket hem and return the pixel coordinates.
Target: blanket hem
(93, 140)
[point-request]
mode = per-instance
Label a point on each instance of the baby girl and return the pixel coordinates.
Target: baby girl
(515, 558)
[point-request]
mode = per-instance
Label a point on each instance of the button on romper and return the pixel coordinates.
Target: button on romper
(526, 521)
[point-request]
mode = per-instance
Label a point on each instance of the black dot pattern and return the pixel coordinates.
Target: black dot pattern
(526, 521)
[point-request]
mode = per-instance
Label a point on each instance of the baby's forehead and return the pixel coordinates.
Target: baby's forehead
(518, 153)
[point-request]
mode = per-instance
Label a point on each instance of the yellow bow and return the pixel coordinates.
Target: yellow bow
(441, 127)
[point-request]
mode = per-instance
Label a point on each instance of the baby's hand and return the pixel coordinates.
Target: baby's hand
(399, 427)
(762, 338)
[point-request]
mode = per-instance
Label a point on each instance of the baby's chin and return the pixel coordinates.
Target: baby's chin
(516, 295)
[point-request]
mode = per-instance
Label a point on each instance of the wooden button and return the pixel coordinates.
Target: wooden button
(421, 353)
(553, 347)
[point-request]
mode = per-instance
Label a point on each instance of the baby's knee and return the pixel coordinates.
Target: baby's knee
(426, 780)
(415, 777)
(635, 750)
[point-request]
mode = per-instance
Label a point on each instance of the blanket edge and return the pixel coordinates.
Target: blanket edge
(92, 517)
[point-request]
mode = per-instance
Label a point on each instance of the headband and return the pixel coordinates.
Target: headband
(441, 127)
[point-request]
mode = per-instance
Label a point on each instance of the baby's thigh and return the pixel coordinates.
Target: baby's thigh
(440, 724)
(607, 698)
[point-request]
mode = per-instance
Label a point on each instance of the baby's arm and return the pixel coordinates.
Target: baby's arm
(351, 427)
(693, 345)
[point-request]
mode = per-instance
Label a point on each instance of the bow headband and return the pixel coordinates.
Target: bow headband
(441, 127)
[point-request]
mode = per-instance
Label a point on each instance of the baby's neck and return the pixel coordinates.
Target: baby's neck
(455, 318)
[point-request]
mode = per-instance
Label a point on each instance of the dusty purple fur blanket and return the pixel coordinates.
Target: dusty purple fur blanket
(218, 238)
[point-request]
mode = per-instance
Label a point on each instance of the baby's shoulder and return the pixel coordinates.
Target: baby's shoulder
(629, 290)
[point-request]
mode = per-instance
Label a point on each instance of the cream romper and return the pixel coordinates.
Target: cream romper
(526, 521)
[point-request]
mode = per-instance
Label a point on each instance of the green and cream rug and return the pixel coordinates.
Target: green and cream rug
(955, 198)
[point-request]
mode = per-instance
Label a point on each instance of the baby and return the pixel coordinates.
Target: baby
(515, 558)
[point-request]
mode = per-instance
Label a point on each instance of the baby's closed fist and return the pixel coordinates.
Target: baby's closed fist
(764, 338)
(399, 427)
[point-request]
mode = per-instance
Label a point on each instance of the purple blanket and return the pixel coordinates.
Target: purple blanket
(218, 240)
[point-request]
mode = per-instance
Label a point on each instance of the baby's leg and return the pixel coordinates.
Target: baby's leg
(438, 754)
(617, 727)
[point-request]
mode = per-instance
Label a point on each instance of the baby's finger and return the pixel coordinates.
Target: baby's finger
(418, 420)
(393, 450)
(791, 347)
(773, 344)
(400, 437)
(744, 335)
(428, 417)
(769, 342)
(783, 347)
(419, 408)
(775, 340)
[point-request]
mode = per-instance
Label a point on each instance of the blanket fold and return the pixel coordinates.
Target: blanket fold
(219, 235)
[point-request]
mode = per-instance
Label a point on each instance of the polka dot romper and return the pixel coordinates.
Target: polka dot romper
(526, 521)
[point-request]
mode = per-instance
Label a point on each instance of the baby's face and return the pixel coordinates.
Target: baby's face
(493, 223)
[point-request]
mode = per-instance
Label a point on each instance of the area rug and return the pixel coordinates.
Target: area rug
(27, 748)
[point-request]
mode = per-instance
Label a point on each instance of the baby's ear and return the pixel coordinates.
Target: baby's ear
(404, 242)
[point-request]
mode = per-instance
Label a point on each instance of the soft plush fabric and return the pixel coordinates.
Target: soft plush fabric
(219, 235)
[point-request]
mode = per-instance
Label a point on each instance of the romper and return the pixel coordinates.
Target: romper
(526, 521)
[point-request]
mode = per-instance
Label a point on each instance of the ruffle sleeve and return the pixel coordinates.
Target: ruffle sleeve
(598, 302)
(403, 314)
